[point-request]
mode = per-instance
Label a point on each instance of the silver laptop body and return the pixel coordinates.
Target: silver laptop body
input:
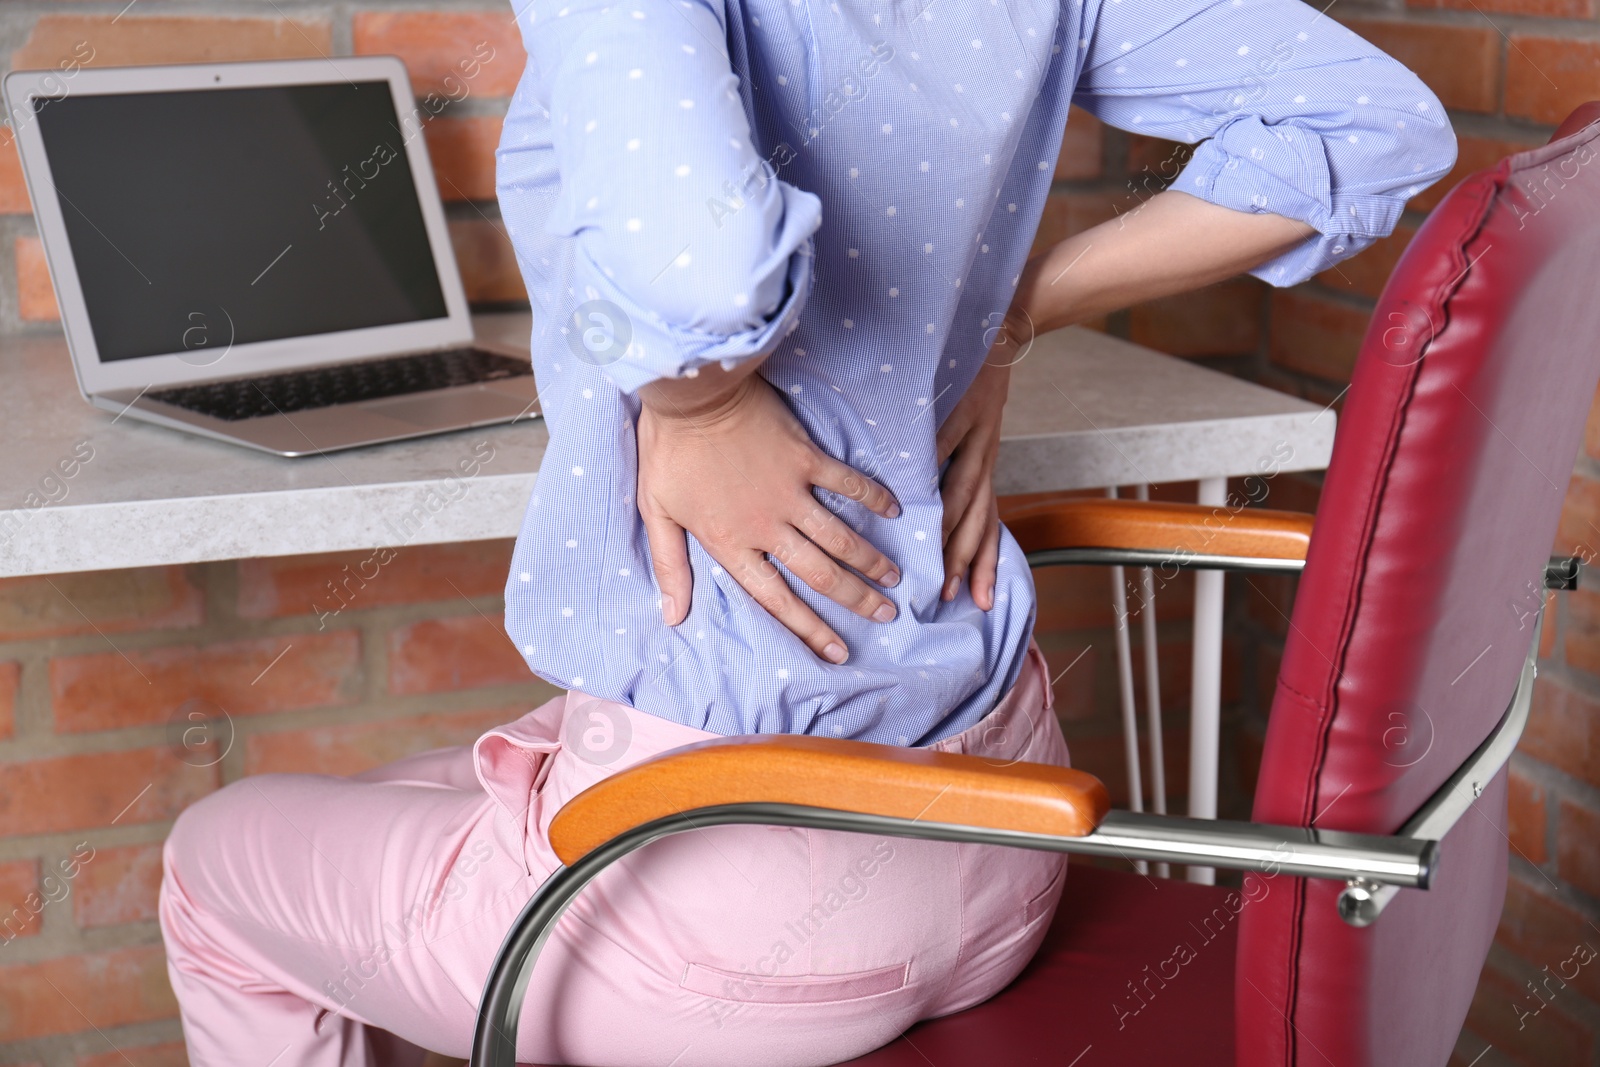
(257, 252)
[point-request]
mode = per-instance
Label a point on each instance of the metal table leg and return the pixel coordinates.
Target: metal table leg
(1205, 702)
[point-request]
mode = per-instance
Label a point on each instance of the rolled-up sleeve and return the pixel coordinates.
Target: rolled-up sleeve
(1296, 115)
(686, 241)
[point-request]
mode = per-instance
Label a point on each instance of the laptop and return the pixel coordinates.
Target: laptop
(256, 252)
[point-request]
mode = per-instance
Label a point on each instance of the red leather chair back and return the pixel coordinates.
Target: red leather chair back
(1416, 608)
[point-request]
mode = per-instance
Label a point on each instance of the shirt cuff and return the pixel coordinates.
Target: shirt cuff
(1283, 170)
(634, 345)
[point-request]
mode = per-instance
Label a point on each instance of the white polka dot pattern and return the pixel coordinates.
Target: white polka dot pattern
(689, 181)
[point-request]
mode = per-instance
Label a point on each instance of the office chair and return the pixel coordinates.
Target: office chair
(1375, 862)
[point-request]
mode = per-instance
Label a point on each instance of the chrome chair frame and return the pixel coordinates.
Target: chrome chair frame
(1374, 867)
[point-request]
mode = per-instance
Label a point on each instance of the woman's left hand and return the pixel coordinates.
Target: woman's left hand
(970, 439)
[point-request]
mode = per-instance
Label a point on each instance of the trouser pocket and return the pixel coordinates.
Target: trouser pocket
(793, 989)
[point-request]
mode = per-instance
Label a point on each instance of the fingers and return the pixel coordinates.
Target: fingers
(962, 481)
(987, 561)
(766, 586)
(811, 565)
(963, 545)
(829, 533)
(845, 480)
(669, 558)
(953, 430)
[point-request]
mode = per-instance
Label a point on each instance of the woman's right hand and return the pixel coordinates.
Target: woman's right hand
(737, 472)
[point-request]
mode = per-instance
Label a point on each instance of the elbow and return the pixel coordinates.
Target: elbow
(1425, 140)
(723, 283)
(1434, 140)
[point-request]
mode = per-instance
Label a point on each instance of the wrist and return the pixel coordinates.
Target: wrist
(706, 398)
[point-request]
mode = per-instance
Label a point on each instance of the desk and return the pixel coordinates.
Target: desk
(1086, 411)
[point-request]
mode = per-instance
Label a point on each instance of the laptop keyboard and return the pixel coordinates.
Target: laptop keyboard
(249, 398)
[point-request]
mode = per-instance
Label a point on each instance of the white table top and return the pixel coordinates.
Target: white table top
(1086, 410)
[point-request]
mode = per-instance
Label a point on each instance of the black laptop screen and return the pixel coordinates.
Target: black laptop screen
(203, 218)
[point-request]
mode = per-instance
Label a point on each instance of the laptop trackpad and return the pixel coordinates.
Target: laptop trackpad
(465, 407)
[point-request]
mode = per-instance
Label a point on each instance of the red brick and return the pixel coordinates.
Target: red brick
(488, 262)
(1269, 601)
(1472, 154)
(1073, 598)
(1068, 213)
(20, 916)
(1104, 757)
(98, 602)
(96, 990)
(119, 885)
(1461, 64)
(1579, 531)
(1591, 430)
(13, 191)
(1315, 336)
(172, 1054)
(139, 786)
(1544, 932)
(36, 298)
(444, 655)
(462, 151)
(1564, 9)
(299, 585)
(1153, 162)
(1547, 634)
(478, 50)
(350, 748)
(1582, 636)
(1285, 491)
(1221, 319)
(1547, 77)
(104, 691)
(1564, 731)
(1578, 846)
(1544, 1037)
(1526, 801)
(1074, 670)
(1082, 147)
(1366, 273)
(10, 674)
(125, 40)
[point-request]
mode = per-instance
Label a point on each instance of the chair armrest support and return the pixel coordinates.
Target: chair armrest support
(816, 772)
(1159, 532)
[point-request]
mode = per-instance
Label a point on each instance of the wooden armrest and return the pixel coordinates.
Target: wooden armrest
(819, 772)
(1197, 529)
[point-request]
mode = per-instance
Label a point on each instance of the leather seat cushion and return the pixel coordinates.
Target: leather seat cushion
(1138, 969)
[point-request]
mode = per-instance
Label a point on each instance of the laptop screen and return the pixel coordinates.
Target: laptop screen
(237, 215)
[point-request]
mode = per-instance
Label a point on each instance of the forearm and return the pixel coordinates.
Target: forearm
(1172, 243)
(699, 394)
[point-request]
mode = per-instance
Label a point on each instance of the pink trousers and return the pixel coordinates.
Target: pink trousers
(307, 918)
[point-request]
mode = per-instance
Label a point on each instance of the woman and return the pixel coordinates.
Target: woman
(778, 255)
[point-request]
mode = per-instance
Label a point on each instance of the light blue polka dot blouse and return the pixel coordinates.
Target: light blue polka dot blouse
(853, 187)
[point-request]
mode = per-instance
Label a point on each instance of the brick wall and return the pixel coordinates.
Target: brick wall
(126, 695)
